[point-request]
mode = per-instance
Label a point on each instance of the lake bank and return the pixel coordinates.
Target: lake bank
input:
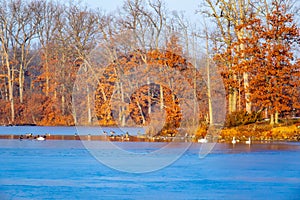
(229, 136)
(259, 132)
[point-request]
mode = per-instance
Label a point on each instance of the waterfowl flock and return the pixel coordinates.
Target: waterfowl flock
(234, 141)
(30, 136)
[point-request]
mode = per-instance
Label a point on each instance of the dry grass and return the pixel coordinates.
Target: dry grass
(262, 132)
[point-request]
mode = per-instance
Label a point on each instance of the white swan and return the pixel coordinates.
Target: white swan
(248, 141)
(40, 138)
(233, 140)
(203, 140)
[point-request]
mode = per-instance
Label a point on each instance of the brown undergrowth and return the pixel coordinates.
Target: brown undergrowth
(262, 131)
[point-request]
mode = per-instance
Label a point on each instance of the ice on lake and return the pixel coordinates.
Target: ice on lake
(68, 130)
(67, 170)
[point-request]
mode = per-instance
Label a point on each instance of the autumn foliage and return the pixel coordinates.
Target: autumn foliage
(142, 102)
(265, 56)
(144, 74)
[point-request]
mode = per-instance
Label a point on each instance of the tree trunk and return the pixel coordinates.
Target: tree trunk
(149, 96)
(11, 97)
(195, 80)
(161, 97)
(88, 105)
(122, 114)
(272, 119)
(247, 93)
(276, 121)
(6, 93)
(232, 99)
(47, 72)
(21, 74)
(63, 101)
(10, 78)
(240, 36)
(210, 108)
(229, 102)
(234, 96)
(141, 112)
(21, 83)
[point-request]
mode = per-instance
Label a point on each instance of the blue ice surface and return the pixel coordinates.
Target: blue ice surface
(68, 130)
(66, 170)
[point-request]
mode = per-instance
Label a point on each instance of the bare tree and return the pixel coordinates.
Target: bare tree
(6, 40)
(228, 15)
(46, 13)
(17, 33)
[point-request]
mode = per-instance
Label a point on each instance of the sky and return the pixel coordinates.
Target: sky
(188, 6)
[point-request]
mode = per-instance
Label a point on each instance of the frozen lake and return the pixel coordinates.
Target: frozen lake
(66, 170)
(66, 130)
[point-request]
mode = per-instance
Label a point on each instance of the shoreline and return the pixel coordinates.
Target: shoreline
(115, 138)
(129, 138)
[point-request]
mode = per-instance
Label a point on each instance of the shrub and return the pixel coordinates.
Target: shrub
(242, 118)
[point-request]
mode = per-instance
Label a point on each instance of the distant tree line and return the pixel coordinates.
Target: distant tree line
(49, 49)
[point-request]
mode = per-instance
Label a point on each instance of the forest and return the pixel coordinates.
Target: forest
(69, 64)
